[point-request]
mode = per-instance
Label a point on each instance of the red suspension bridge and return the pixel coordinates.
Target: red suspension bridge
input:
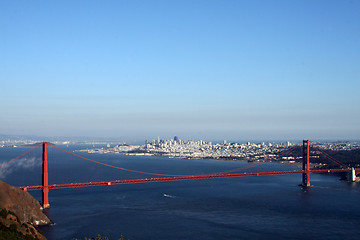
(45, 187)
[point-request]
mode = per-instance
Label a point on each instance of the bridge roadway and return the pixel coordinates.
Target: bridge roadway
(179, 178)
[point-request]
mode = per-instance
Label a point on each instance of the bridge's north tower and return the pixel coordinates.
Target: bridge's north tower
(45, 177)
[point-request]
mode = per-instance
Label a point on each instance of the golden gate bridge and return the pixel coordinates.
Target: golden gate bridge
(305, 171)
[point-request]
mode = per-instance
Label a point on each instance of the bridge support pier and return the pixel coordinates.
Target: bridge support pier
(306, 164)
(352, 175)
(45, 178)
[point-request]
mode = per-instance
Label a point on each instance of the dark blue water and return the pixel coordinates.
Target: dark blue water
(266, 207)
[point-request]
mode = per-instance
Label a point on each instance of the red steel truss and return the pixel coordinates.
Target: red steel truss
(181, 178)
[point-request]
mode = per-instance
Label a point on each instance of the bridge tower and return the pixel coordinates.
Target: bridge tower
(45, 178)
(306, 164)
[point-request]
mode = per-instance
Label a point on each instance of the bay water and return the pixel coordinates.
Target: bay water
(265, 207)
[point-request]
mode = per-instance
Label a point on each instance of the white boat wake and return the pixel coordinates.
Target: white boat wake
(168, 196)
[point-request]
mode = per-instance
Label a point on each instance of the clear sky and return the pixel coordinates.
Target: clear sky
(135, 70)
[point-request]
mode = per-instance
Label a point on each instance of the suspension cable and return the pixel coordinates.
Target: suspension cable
(287, 151)
(159, 174)
(257, 164)
(23, 154)
(331, 158)
(112, 166)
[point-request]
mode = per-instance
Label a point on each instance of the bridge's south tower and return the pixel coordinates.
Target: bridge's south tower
(306, 164)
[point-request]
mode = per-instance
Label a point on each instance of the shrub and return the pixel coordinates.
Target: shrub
(3, 213)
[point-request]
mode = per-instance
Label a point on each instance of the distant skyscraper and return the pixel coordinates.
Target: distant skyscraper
(176, 139)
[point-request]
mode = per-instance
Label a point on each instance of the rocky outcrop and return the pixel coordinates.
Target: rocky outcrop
(22, 204)
(12, 228)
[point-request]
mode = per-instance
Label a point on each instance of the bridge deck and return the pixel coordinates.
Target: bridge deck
(179, 178)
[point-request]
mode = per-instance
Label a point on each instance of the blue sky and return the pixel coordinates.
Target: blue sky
(134, 70)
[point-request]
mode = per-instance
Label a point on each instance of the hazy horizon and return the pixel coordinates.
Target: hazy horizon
(141, 141)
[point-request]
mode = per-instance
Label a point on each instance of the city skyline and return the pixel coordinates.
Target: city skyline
(212, 70)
